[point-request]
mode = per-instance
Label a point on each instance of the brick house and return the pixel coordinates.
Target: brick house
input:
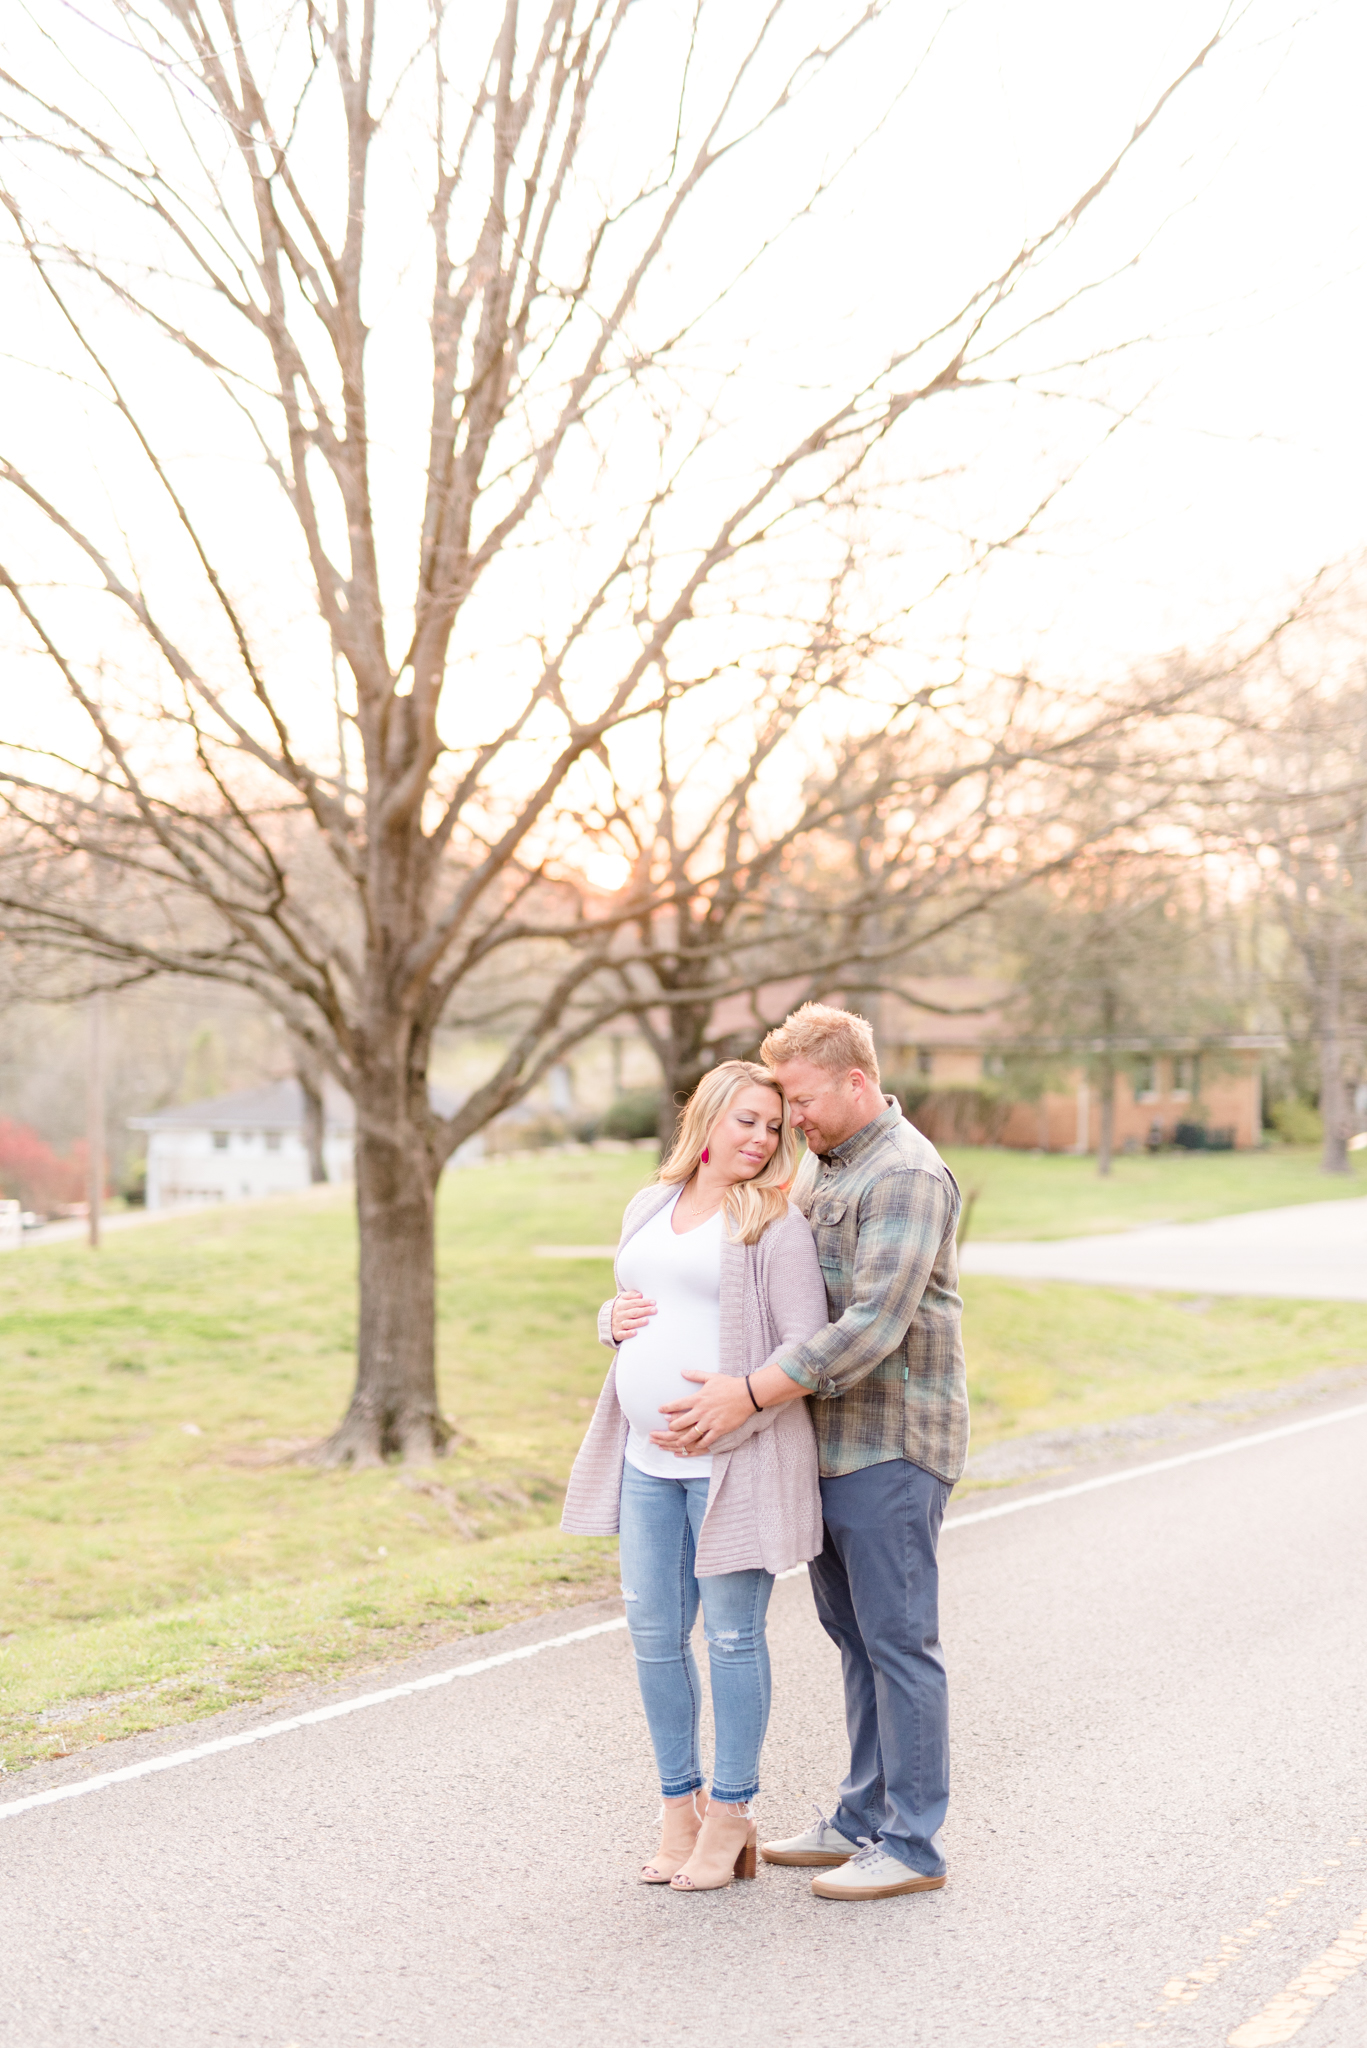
(957, 1043)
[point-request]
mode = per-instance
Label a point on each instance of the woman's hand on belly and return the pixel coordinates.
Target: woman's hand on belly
(669, 1440)
(630, 1313)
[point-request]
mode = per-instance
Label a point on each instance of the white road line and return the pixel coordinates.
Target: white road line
(286, 1727)
(175, 1758)
(1238, 1443)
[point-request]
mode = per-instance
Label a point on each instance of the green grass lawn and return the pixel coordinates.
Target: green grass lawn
(1046, 1355)
(1028, 1195)
(161, 1555)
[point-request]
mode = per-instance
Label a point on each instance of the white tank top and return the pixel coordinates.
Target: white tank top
(682, 1276)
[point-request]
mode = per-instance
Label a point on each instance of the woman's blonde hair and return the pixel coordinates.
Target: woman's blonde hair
(751, 1205)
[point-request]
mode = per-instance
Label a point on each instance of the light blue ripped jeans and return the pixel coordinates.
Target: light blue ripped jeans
(659, 1534)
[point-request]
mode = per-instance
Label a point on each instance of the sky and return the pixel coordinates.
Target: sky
(1239, 471)
(1215, 433)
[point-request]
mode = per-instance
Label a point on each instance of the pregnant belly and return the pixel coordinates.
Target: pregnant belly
(645, 1378)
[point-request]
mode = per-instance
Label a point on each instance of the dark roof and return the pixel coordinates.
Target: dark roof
(948, 1010)
(279, 1106)
(962, 1009)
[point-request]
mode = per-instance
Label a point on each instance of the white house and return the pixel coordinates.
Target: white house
(239, 1147)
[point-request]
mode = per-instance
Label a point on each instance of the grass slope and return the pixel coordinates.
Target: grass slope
(1029, 1195)
(1046, 1355)
(161, 1557)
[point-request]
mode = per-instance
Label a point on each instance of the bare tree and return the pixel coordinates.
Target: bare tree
(1115, 959)
(1300, 808)
(906, 834)
(1074, 817)
(350, 751)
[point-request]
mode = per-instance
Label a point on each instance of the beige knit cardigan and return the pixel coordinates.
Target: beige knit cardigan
(764, 1501)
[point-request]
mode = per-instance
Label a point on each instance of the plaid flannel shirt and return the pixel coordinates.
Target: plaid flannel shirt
(886, 1375)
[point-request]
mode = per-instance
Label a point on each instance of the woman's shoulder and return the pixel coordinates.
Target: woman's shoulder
(787, 1233)
(647, 1199)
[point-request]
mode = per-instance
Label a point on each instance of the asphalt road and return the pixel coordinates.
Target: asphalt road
(1158, 1835)
(1316, 1252)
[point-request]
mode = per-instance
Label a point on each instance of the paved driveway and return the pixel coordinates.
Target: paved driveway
(1317, 1252)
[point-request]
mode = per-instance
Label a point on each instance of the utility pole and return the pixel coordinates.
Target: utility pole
(95, 1116)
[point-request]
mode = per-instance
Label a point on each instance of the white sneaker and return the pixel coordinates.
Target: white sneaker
(872, 1874)
(822, 1844)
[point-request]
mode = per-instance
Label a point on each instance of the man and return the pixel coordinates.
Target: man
(890, 1406)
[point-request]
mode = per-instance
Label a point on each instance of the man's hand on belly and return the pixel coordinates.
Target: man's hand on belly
(720, 1405)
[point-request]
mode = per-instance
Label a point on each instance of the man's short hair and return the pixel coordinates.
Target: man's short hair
(834, 1039)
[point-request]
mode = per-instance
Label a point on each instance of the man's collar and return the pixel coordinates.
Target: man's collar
(851, 1147)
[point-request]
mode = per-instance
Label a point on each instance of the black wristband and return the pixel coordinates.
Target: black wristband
(751, 1392)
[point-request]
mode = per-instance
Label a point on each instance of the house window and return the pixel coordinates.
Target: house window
(994, 1064)
(272, 1141)
(1146, 1080)
(1186, 1074)
(220, 1141)
(925, 1059)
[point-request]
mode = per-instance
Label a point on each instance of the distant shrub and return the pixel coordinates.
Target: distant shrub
(32, 1173)
(633, 1115)
(954, 1112)
(1190, 1136)
(1297, 1122)
(523, 1132)
(911, 1090)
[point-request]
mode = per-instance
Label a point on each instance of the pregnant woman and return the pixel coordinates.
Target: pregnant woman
(716, 1273)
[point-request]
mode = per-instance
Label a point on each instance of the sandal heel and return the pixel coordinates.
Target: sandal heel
(727, 1848)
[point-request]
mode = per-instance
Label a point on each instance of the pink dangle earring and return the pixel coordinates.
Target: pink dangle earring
(706, 1155)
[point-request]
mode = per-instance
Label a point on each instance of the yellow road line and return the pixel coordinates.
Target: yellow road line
(1288, 2012)
(1180, 1991)
(1184, 1990)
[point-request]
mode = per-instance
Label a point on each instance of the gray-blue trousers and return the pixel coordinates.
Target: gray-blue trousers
(876, 1585)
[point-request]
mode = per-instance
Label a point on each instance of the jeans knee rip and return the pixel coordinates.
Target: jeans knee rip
(627, 1594)
(723, 1638)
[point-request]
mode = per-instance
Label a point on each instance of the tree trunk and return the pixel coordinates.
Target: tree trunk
(315, 1124)
(682, 1052)
(1333, 1106)
(1105, 1141)
(1333, 1094)
(393, 1409)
